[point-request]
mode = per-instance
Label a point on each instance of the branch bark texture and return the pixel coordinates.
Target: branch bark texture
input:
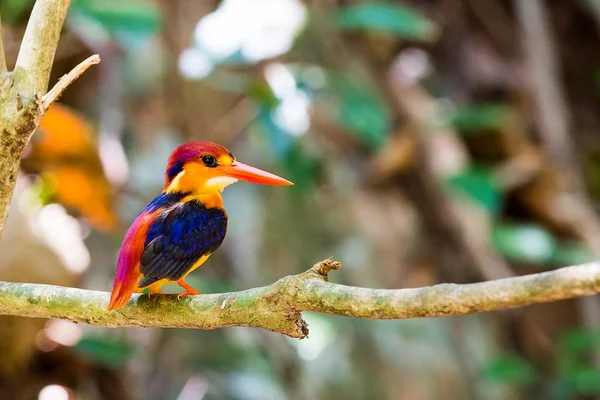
(278, 307)
(38, 47)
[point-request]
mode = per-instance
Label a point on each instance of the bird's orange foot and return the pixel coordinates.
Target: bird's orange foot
(188, 289)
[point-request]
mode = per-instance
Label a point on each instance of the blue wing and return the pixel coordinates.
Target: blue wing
(178, 238)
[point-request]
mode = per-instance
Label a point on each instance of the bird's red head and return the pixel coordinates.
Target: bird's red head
(206, 166)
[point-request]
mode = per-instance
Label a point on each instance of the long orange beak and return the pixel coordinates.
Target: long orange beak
(247, 173)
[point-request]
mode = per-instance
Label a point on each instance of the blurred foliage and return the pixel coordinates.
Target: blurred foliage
(13, 10)
(577, 374)
(105, 350)
(571, 253)
(302, 168)
(389, 18)
(510, 369)
(481, 118)
(533, 244)
(137, 16)
(360, 109)
(478, 184)
(263, 94)
(524, 243)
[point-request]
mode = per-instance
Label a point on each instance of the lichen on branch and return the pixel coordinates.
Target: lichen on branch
(278, 307)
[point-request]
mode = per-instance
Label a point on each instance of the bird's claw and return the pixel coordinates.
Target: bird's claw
(150, 294)
(187, 293)
(188, 289)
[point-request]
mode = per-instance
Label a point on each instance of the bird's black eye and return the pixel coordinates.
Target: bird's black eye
(209, 161)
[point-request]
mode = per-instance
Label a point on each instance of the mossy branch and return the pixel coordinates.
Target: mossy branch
(21, 103)
(278, 307)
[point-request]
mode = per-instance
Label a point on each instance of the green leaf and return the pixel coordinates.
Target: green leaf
(481, 117)
(106, 351)
(361, 110)
(478, 184)
(388, 18)
(526, 243)
(509, 369)
(134, 16)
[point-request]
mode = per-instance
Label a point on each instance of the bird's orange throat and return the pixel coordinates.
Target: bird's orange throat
(207, 199)
(202, 186)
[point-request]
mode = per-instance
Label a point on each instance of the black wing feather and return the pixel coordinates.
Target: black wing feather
(178, 238)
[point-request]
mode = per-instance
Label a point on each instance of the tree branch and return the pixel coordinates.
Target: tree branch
(36, 54)
(21, 106)
(62, 84)
(278, 307)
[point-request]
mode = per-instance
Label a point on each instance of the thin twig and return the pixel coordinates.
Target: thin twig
(278, 307)
(67, 79)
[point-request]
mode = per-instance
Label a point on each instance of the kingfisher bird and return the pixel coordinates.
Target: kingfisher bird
(185, 224)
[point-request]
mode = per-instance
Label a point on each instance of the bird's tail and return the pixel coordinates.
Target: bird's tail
(126, 281)
(128, 270)
(120, 294)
